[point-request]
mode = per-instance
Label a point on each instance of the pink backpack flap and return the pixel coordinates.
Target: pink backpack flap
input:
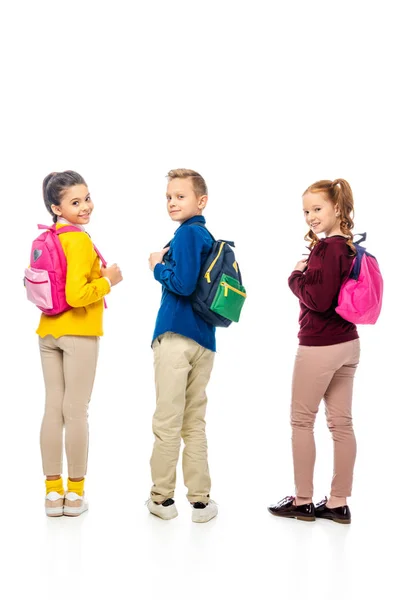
(45, 278)
(360, 297)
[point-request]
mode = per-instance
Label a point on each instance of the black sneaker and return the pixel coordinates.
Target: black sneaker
(287, 508)
(341, 514)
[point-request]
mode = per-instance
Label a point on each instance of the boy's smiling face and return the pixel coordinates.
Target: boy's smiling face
(182, 202)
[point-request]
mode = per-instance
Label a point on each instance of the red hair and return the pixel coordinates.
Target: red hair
(339, 193)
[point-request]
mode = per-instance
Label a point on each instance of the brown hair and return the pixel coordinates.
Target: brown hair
(54, 186)
(340, 194)
(199, 185)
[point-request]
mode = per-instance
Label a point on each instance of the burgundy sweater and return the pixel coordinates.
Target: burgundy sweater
(318, 288)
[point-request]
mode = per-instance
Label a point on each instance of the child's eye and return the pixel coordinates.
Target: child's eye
(75, 203)
(181, 196)
(317, 209)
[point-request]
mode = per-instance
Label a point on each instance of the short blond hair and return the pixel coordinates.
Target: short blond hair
(199, 185)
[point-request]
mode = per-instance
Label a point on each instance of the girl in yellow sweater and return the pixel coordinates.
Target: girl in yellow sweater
(69, 345)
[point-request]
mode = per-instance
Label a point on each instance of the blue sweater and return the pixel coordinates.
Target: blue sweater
(188, 250)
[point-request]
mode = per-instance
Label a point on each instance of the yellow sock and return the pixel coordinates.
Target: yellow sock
(55, 485)
(76, 486)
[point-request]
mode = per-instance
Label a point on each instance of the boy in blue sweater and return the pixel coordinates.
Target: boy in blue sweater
(184, 349)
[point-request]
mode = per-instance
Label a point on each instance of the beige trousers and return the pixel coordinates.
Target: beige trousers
(325, 372)
(182, 371)
(69, 367)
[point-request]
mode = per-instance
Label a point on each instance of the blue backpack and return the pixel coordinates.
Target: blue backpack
(219, 295)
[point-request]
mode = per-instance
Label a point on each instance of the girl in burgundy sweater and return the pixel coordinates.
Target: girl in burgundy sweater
(328, 353)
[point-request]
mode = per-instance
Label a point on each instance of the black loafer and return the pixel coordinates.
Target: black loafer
(341, 514)
(287, 508)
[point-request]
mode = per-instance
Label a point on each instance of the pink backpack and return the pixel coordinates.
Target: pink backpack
(45, 278)
(360, 297)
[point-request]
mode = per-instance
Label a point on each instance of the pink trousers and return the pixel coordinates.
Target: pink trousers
(324, 372)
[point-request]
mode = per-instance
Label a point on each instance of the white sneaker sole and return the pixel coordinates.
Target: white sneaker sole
(201, 515)
(70, 511)
(164, 512)
(55, 512)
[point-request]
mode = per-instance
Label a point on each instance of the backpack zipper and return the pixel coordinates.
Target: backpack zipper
(230, 287)
(36, 282)
(210, 268)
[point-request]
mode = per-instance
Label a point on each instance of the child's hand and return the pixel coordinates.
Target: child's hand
(113, 273)
(157, 257)
(301, 265)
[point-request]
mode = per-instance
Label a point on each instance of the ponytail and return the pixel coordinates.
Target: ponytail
(343, 197)
(311, 237)
(47, 195)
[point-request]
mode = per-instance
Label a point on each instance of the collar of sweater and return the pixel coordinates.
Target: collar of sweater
(195, 219)
(65, 222)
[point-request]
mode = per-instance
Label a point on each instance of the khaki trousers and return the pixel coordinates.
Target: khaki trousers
(69, 367)
(182, 371)
(325, 372)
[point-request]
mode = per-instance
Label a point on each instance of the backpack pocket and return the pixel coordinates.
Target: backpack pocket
(229, 298)
(38, 288)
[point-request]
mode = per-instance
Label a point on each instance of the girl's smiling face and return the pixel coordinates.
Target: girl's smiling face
(76, 205)
(321, 215)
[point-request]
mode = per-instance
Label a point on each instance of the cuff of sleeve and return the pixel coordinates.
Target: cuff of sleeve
(157, 271)
(109, 282)
(293, 276)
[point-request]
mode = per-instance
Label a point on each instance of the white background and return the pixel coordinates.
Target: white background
(263, 99)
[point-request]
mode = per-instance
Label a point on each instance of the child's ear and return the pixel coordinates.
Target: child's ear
(203, 202)
(56, 209)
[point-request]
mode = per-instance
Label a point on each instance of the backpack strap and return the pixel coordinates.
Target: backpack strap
(213, 238)
(71, 229)
(200, 224)
(103, 262)
(65, 229)
(363, 237)
(360, 251)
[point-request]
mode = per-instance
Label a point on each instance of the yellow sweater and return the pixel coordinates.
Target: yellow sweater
(85, 289)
